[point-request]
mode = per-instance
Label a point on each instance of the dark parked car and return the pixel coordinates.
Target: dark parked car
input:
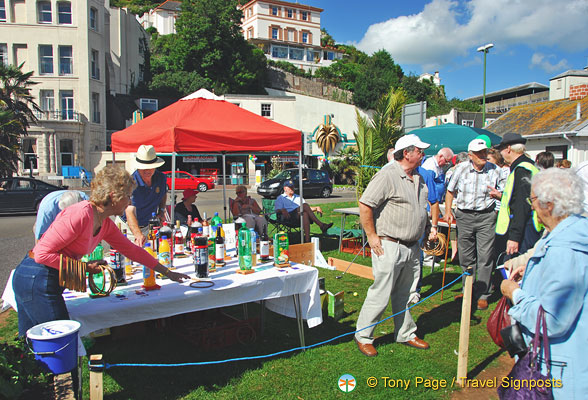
(18, 194)
(315, 182)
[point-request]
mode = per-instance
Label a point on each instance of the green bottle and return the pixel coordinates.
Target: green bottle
(244, 248)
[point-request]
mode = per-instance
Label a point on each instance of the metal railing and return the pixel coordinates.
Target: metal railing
(58, 115)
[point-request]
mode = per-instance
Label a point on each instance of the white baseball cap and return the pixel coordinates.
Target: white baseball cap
(410, 140)
(477, 145)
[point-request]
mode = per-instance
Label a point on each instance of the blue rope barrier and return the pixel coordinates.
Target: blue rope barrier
(369, 166)
(190, 364)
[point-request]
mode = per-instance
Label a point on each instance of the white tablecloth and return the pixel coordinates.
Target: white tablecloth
(275, 285)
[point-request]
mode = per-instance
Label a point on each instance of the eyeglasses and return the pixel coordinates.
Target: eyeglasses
(419, 150)
(240, 191)
(531, 199)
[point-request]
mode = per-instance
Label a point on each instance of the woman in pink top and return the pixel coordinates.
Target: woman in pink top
(76, 231)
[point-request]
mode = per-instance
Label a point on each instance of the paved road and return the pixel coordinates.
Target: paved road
(16, 236)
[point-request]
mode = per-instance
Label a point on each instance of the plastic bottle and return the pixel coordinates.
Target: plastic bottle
(219, 248)
(253, 246)
(201, 256)
(244, 248)
(178, 240)
(154, 221)
(164, 256)
(205, 226)
(165, 230)
(216, 220)
(148, 273)
(97, 254)
(264, 247)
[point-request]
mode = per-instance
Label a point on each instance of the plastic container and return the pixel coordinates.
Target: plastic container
(244, 248)
(148, 273)
(55, 344)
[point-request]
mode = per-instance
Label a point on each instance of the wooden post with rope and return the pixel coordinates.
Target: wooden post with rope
(96, 378)
(464, 328)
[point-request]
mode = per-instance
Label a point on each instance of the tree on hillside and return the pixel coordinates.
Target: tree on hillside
(380, 73)
(16, 110)
(208, 49)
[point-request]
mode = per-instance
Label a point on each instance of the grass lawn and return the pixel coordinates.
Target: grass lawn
(312, 374)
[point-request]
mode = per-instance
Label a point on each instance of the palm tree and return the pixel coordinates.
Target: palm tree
(16, 112)
(345, 165)
(375, 136)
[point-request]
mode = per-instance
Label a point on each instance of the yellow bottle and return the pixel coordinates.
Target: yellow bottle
(148, 273)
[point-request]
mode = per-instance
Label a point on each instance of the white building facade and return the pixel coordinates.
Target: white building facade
(78, 51)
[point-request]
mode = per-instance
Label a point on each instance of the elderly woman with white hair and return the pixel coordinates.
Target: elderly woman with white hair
(556, 278)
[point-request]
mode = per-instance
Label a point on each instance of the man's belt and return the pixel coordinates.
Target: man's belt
(402, 242)
(487, 210)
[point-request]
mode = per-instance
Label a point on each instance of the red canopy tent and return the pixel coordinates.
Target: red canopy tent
(203, 122)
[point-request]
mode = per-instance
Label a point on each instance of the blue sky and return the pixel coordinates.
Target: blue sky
(534, 40)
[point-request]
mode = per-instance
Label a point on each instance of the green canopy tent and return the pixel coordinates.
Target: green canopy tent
(456, 137)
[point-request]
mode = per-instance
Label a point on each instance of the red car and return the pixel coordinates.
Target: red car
(184, 180)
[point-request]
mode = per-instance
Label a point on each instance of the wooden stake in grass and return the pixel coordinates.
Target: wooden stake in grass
(464, 329)
(96, 378)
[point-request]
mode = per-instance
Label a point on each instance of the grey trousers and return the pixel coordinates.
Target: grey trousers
(475, 242)
(123, 225)
(395, 273)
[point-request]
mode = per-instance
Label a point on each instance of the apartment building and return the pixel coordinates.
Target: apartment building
(287, 32)
(163, 17)
(78, 51)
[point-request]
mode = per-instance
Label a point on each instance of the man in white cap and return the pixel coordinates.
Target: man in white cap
(393, 213)
(149, 197)
(470, 185)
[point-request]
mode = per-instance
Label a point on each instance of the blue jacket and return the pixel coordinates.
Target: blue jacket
(557, 279)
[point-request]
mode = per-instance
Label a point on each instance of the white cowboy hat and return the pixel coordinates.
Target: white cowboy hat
(146, 158)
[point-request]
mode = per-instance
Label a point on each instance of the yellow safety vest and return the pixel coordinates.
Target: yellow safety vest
(504, 213)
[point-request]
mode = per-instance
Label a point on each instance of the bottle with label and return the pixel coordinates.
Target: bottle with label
(216, 221)
(281, 249)
(154, 221)
(253, 246)
(116, 263)
(166, 231)
(219, 248)
(264, 247)
(148, 273)
(97, 254)
(164, 256)
(205, 225)
(211, 257)
(244, 248)
(178, 240)
(201, 256)
(126, 262)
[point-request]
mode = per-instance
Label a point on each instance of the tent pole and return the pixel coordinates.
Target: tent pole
(173, 189)
(301, 197)
(224, 187)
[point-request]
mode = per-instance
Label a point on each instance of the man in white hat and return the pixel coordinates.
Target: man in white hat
(471, 185)
(393, 213)
(149, 197)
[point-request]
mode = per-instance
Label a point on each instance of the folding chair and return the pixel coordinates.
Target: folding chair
(269, 211)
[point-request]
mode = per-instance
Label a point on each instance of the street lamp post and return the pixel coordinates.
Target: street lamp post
(485, 50)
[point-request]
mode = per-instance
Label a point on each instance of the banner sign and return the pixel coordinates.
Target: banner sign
(202, 159)
(292, 159)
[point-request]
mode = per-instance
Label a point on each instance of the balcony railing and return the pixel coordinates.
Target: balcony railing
(58, 115)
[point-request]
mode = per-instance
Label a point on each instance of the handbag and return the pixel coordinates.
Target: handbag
(499, 319)
(527, 369)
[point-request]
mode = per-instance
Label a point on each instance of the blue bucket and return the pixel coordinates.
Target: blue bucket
(55, 344)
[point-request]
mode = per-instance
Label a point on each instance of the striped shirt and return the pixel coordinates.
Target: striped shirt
(399, 204)
(470, 187)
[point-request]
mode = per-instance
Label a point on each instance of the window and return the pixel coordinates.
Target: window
(66, 150)
(2, 11)
(64, 13)
(290, 35)
(3, 54)
(67, 105)
(304, 15)
(44, 8)
(93, 19)
(274, 10)
(304, 37)
(266, 110)
(45, 59)
(94, 67)
(279, 52)
(275, 33)
(47, 100)
(65, 60)
(296, 54)
(310, 55)
(468, 122)
(249, 33)
(96, 108)
(329, 55)
(249, 12)
(148, 104)
(290, 12)
(29, 149)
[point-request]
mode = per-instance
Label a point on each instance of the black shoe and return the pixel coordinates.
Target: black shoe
(326, 227)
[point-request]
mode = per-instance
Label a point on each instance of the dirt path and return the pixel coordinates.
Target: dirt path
(505, 364)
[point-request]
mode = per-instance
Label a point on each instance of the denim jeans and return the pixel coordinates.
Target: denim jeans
(38, 295)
